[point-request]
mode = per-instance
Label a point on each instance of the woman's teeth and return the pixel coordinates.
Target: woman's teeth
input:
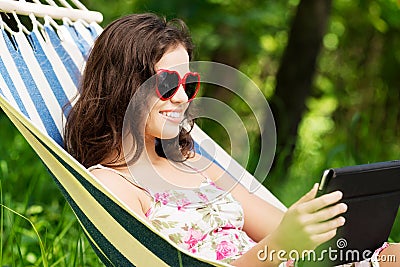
(171, 114)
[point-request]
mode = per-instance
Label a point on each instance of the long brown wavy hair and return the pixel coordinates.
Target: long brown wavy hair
(122, 59)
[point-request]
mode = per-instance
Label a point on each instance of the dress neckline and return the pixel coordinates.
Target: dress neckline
(131, 179)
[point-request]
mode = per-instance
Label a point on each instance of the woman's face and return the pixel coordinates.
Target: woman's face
(165, 116)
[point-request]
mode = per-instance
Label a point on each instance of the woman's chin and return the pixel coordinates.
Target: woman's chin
(169, 133)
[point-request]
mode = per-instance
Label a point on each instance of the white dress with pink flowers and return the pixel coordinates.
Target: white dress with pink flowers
(206, 221)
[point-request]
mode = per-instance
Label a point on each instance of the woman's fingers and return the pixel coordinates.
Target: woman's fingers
(330, 212)
(325, 214)
(322, 238)
(308, 196)
(310, 219)
(326, 226)
(320, 202)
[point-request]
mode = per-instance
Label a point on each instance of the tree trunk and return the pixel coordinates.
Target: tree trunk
(295, 74)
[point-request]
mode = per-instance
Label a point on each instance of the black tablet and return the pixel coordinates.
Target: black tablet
(372, 194)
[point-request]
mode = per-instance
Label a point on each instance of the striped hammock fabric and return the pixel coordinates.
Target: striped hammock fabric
(39, 75)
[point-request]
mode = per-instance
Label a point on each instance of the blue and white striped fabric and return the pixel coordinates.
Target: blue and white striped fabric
(46, 72)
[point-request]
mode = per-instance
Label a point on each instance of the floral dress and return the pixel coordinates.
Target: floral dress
(206, 221)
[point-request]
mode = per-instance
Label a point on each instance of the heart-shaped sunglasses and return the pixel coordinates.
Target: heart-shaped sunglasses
(168, 82)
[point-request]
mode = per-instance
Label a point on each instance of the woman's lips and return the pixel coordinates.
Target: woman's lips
(172, 115)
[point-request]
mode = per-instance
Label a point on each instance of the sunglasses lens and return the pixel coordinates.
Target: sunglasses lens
(167, 84)
(191, 85)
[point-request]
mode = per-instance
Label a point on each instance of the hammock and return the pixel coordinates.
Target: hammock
(40, 70)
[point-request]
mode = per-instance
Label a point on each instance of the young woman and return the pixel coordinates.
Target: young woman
(160, 177)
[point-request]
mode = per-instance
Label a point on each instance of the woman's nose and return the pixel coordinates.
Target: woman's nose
(180, 96)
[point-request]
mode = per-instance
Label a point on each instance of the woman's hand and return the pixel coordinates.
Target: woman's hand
(309, 222)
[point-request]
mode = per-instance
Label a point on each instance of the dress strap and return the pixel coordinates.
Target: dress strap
(128, 178)
(208, 180)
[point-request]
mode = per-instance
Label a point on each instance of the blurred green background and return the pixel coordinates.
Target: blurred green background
(329, 69)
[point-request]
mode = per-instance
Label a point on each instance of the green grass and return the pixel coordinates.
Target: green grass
(32, 240)
(38, 228)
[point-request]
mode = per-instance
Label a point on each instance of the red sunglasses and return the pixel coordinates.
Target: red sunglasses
(168, 82)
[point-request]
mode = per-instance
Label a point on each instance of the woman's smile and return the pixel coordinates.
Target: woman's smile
(175, 116)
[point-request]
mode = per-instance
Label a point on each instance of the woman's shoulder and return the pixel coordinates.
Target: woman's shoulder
(100, 170)
(110, 177)
(114, 175)
(107, 175)
(123, 187)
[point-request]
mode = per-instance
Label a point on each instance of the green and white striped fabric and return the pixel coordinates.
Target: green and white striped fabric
(38, 77)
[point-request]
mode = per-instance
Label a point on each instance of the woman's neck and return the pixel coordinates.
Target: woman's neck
(150, 153)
